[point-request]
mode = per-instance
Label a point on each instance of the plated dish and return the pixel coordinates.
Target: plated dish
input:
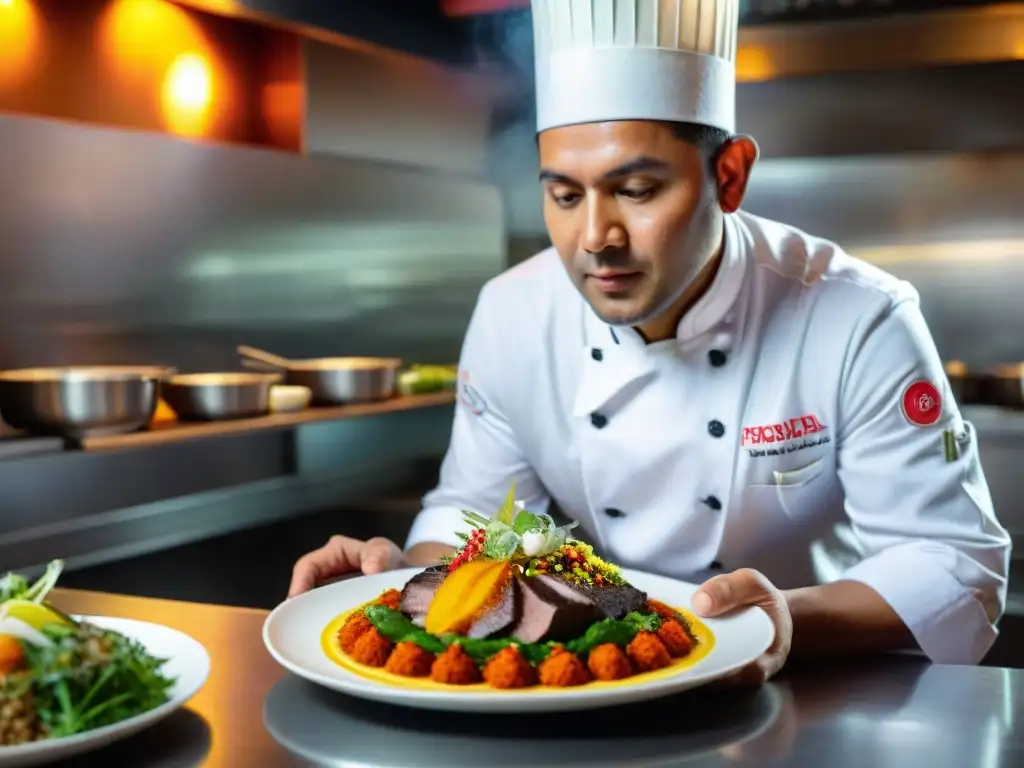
(70, 683)
(520, 605)
(523, 617)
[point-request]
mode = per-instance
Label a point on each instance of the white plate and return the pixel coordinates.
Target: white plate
(187, 661)
(292, 635)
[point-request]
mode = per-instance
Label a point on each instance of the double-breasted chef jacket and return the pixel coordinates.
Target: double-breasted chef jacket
(800, 423)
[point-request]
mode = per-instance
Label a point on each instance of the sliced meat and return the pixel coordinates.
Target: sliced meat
(419, 591)
(551, 610)
(499, 618)
(614, 600)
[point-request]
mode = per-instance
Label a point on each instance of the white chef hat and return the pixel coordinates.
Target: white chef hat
(600, 60)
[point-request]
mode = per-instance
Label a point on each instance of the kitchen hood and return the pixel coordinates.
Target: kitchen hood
(758, 11)
(416, 27)
(953, 36)
(781, 40)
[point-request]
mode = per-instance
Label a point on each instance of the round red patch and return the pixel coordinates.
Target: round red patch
(922, 404)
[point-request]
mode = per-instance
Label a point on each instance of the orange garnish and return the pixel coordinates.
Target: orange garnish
(11, 655)
(466, 594)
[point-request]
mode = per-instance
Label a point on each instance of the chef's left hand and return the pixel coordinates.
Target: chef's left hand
(746, 588)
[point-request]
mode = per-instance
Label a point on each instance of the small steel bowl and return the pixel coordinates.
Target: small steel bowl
(77, 401)
(340, 380)
(219, 396)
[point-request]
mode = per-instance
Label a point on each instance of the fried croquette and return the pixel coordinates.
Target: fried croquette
(675, 639)
(647, 652)
(409, 660)
(508, 669)
(372, 648)
(355, 627)
(562, 669)
(609, 662)
(664, 611)
(455, 667)
(390, 599)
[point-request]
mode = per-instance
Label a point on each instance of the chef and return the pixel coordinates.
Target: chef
(711, 395)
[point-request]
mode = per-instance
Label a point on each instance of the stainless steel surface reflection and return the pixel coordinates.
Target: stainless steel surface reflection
(895, 713)
(329, 729)
(885, 713)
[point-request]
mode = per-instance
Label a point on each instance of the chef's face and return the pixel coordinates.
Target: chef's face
(635, 212)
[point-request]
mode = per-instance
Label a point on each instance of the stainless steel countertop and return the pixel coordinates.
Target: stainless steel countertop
(894, 712)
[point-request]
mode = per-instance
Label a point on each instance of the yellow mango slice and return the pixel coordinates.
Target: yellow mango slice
(466, 594)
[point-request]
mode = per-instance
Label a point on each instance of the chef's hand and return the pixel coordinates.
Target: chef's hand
(746, 588)
(341, 556)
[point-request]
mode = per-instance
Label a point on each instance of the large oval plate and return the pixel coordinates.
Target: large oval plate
(292, 635)
(187, 661)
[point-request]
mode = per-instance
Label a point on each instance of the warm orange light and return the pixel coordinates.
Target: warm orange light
(187, 95)
(157, 47)
(141, 38)
(753, 64)
(20, 41)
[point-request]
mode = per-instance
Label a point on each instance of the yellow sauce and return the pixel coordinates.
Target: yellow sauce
(329, 643)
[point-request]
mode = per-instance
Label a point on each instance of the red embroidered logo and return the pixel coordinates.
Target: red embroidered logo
(921, 403)
(790, 429)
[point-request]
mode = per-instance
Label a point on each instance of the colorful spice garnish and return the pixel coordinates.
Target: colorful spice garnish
(576, 561)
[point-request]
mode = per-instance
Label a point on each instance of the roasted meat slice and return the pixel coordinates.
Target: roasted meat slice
(549, 609)
(614, 600)
(419, 591)
(499, 619)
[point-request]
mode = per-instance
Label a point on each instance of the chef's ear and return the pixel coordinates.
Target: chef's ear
(733, 164)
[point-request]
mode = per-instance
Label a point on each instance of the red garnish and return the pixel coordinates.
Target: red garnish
(474, 546)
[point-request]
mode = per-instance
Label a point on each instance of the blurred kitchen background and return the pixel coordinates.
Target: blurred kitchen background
(323, 179)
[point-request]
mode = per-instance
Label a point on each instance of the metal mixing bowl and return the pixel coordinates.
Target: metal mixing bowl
(346, 379)
(76, 401)
(218, 396)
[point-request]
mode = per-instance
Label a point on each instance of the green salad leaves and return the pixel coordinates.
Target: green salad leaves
(90, 677)
(14, 586)
(68, 676)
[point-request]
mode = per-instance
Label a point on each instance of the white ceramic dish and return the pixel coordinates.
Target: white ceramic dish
(187, 661)
(286, 398)
(292, 635)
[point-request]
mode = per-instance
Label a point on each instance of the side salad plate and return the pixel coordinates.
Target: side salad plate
(72, 684)
(522, 618)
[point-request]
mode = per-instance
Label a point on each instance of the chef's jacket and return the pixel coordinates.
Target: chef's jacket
(800, 423)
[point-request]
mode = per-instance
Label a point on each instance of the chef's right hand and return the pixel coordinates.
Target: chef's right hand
(341, 556)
